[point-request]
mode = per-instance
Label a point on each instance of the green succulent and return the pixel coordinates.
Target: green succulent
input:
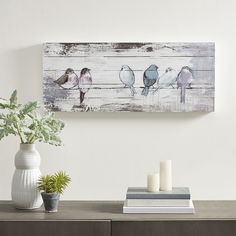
(28, 122)
(55, 183)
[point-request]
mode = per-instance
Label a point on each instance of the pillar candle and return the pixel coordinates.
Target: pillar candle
(165, 176)
(153, 182)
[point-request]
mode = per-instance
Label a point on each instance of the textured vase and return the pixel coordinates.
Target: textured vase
(25, 194)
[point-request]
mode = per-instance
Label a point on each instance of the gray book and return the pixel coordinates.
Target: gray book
(142, 193)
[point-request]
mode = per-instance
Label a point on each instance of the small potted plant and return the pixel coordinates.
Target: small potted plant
(52, 186)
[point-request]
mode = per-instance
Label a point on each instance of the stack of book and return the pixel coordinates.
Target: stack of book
(139, 200)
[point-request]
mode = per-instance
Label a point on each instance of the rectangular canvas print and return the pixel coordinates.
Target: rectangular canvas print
(129, 77)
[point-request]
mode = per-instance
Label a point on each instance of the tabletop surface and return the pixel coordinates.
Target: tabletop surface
(112, 211)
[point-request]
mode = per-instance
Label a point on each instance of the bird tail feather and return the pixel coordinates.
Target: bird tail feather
(145, 91)
(182, 94)
(81, 96)
(133, 91)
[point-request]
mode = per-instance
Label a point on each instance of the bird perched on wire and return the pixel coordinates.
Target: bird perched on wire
(168, 79)
(184, 80)
(85, 82)
(68, 80)
(150, 77)
(127, 78)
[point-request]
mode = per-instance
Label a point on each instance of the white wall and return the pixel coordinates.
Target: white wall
(105, 153)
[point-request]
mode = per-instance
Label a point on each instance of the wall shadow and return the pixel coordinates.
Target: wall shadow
(28, 67)
(161, 116)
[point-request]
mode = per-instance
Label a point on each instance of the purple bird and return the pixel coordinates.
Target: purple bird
(85, 82)
(184, 80)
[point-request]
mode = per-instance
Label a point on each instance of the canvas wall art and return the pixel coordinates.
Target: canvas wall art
(129, 77)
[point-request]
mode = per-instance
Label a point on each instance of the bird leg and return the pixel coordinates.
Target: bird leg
(182, 95)
(81, 96)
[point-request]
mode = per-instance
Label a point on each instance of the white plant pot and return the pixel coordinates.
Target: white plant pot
(25, 194)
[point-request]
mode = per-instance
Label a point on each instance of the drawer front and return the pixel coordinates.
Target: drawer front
(174, 228)
(57, 228)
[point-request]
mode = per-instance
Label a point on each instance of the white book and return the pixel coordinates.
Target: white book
(158, 202)
(164, 210)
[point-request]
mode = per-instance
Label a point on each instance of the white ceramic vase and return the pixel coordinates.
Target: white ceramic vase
(25, 194)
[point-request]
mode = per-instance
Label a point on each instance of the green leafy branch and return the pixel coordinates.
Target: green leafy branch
(27, 122)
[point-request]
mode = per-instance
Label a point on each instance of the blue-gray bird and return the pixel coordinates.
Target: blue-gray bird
(168, 79)
(184, 80)
(68, 80)
(150, 77)
(127, 78)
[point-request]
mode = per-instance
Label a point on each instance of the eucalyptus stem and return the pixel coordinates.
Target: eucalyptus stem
(31, 138)
(19, 133)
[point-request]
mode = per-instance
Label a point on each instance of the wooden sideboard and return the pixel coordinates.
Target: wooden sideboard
(105, 218)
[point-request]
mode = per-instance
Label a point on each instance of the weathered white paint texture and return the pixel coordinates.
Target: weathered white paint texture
(107, 93)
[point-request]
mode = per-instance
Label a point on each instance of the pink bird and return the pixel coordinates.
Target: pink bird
(85, 83)
(68, 80)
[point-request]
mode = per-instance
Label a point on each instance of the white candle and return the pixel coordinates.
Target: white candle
(165, 176)
(153, 182)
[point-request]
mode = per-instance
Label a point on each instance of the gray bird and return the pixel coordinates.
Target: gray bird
(184, 80)
(168, 79)
(68, 80)
(127, 78)
(150, 77)
(85, 82)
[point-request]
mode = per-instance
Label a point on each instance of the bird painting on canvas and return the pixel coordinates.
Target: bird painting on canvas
(129, 76)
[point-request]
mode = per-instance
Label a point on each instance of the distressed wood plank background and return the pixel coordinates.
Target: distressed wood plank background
(108, 93)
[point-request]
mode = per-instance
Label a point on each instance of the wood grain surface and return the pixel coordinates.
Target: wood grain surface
(112, 210)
